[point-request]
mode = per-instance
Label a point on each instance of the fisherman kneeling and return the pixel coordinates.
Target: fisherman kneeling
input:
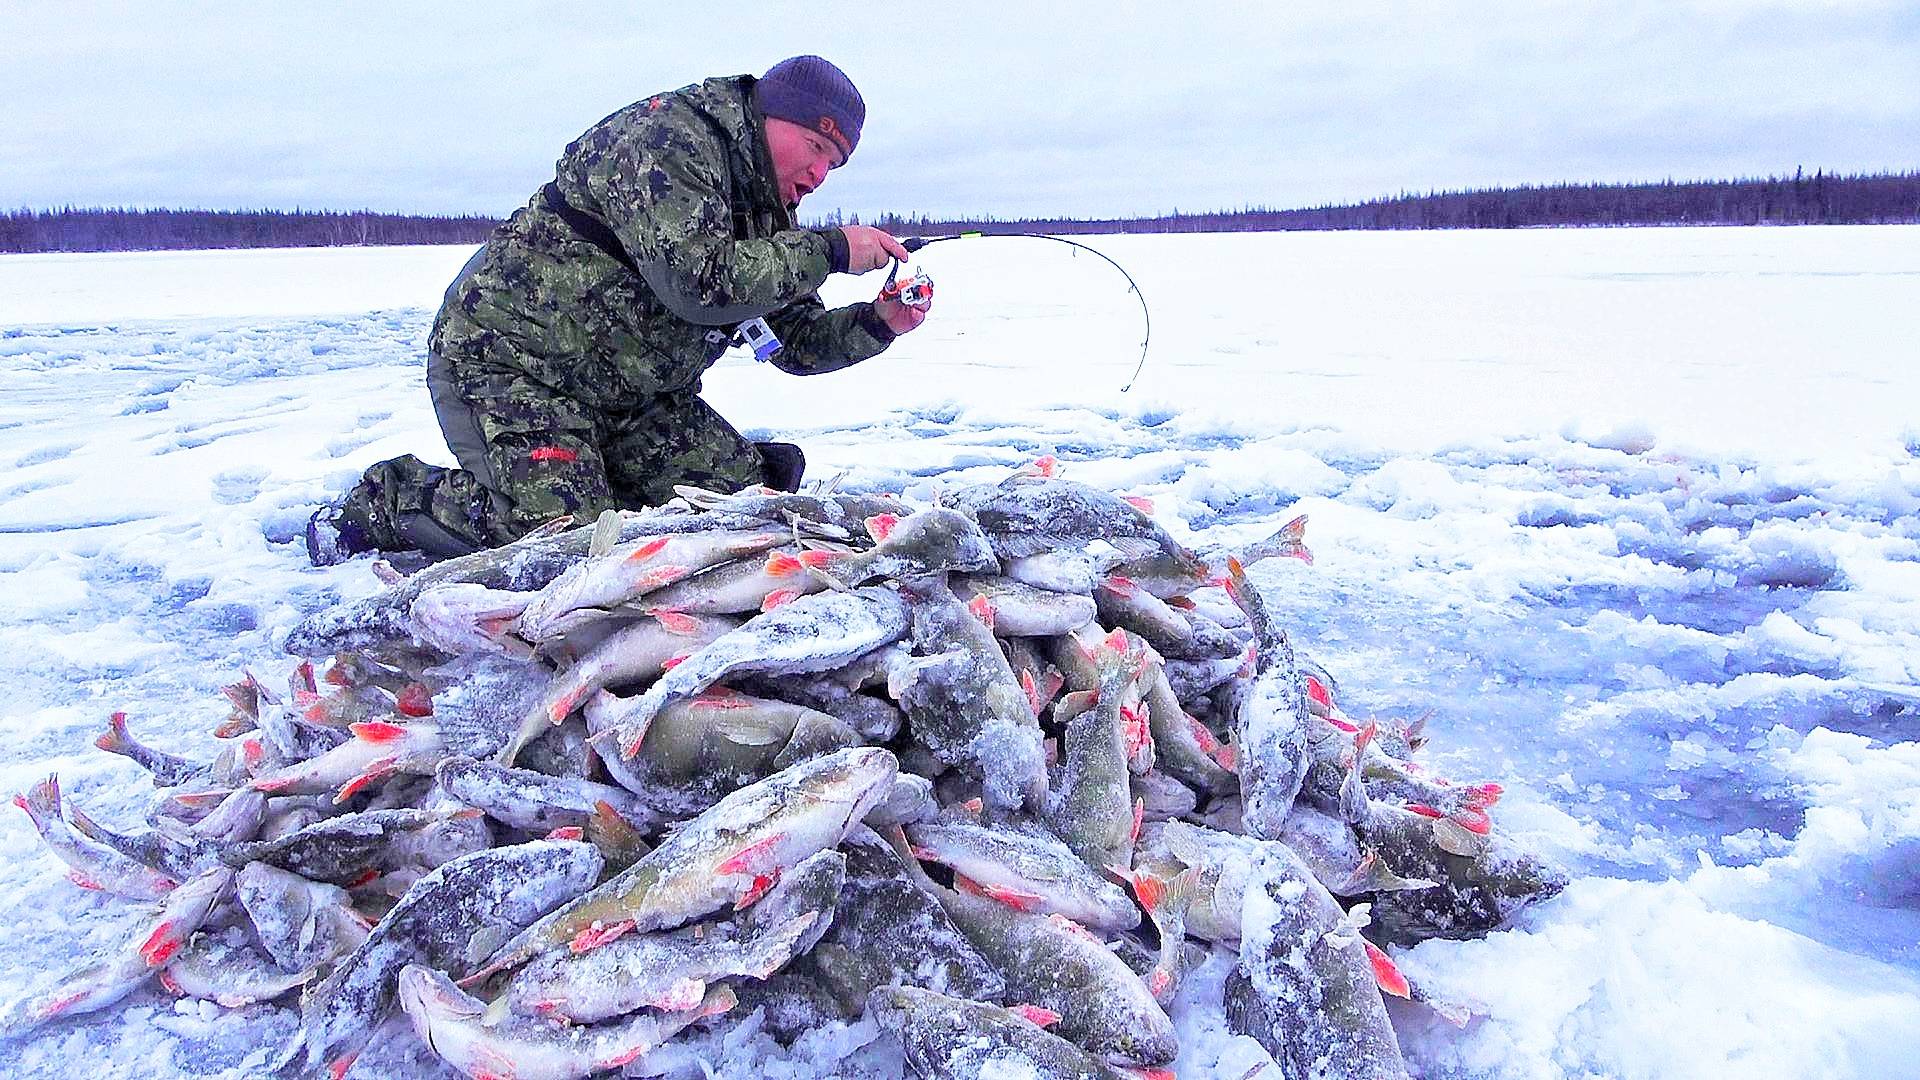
(565, 362)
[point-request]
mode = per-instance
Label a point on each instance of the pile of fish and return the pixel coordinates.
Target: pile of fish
(996, 772)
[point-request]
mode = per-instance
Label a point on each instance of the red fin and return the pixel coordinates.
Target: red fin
(1474, 820)
(720, 697)
(595, 936)
(564, 707)
(1363, 737)
(1120, 586)
(338, 1070)
(1016, 899)
(1344, 725)
(84, 881)
(675, 621)
(657, 576)
(374, 771)
(1045, 465)
(414, 700)
(272, 784)
(779, 596)
(1317, 690)
(1151, 890)
(1117, 641)
(172, 986)
(160, 945)
(366, 877)
(982, 609)
(880, 526)
(1203, 736)
(1039, 1015)
(1137, 734)
(567, 832)
(780, 564)
(974, 805)
(1386, 972)
(304, 673)
(1228, 757)
(337, 673)
(819, 559)
(761, 884)
(1140, 503)
(1184, 603)
(749, 857)
(378, 731)
(670, 663)
(114, 739)
(1424, 810)
(1139, 819)
(1167, 1074)
(1158, 982)
(648, 550)
(1481, 796)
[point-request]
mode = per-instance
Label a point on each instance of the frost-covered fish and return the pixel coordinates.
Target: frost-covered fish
(101, 983)
(1270, 721)
(744, 585)
(1055, 571)
(300, 923)
(178, 857)
(1167, 576)
(813, 633)
(1481, 880)
(1026, 868)
(1183, 747)
(223, 968)
(637, 652)
(1092, 806)
(887, 931)
(526, 565)
(731, 854)
(1026, 515)
(589, 591)
(460, 1029)
(91, 865)
(842, 513)
(1307, 986)
(447, 920)
(341, 849)
(1124, 604)
(1059, 965)
(949, 1038)
(378, 749)
(1012, 608)
(168, 770)
(535, 801)
(963, 702)
(462, 618)
(669, 972)
(699, 749)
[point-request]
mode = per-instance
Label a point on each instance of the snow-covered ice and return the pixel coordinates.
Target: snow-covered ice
(1634, 513)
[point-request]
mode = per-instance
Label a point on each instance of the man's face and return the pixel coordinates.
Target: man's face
(801, 158)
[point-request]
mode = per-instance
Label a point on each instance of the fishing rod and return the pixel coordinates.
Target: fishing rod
(922, 286)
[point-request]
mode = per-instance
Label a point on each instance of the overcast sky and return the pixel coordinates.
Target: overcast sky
(1040, 107)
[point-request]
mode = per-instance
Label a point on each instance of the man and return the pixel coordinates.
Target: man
(565, 362)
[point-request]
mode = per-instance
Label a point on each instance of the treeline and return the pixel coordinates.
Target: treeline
(1821, 199)
(72, 229)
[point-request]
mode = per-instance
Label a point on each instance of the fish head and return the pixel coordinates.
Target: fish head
(428, 994)
(892, 1006)
(859, 776)
(940, 539)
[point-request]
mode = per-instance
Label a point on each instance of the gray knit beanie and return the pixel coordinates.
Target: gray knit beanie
(811, 92)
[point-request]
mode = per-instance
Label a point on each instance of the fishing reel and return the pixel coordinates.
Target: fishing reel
(915, 292)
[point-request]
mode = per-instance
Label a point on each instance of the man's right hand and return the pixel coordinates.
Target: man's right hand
(869, 248)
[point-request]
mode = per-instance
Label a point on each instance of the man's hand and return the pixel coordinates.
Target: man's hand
(899, 317)
(869, 248)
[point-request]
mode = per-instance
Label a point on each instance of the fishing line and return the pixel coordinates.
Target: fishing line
(915, 243)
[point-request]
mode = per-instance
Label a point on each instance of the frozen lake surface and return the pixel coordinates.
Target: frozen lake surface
(1634, 513)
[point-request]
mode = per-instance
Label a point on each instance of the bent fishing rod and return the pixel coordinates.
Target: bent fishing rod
(922, 286)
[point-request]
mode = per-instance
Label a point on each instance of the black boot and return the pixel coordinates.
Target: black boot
(783, 464)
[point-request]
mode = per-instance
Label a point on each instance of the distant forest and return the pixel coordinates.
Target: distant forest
(1821, 199)
(69, 229)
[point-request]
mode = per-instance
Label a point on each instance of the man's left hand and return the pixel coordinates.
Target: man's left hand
(899, 317)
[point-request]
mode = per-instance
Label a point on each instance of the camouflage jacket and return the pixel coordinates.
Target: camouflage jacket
(685, 182)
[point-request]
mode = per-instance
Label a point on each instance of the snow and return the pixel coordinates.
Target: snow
(1635, 512)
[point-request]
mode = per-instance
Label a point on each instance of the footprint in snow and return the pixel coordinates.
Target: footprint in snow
(236, 486)
(45, 454)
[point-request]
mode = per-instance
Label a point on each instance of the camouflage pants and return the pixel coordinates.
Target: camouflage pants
(529, 455)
